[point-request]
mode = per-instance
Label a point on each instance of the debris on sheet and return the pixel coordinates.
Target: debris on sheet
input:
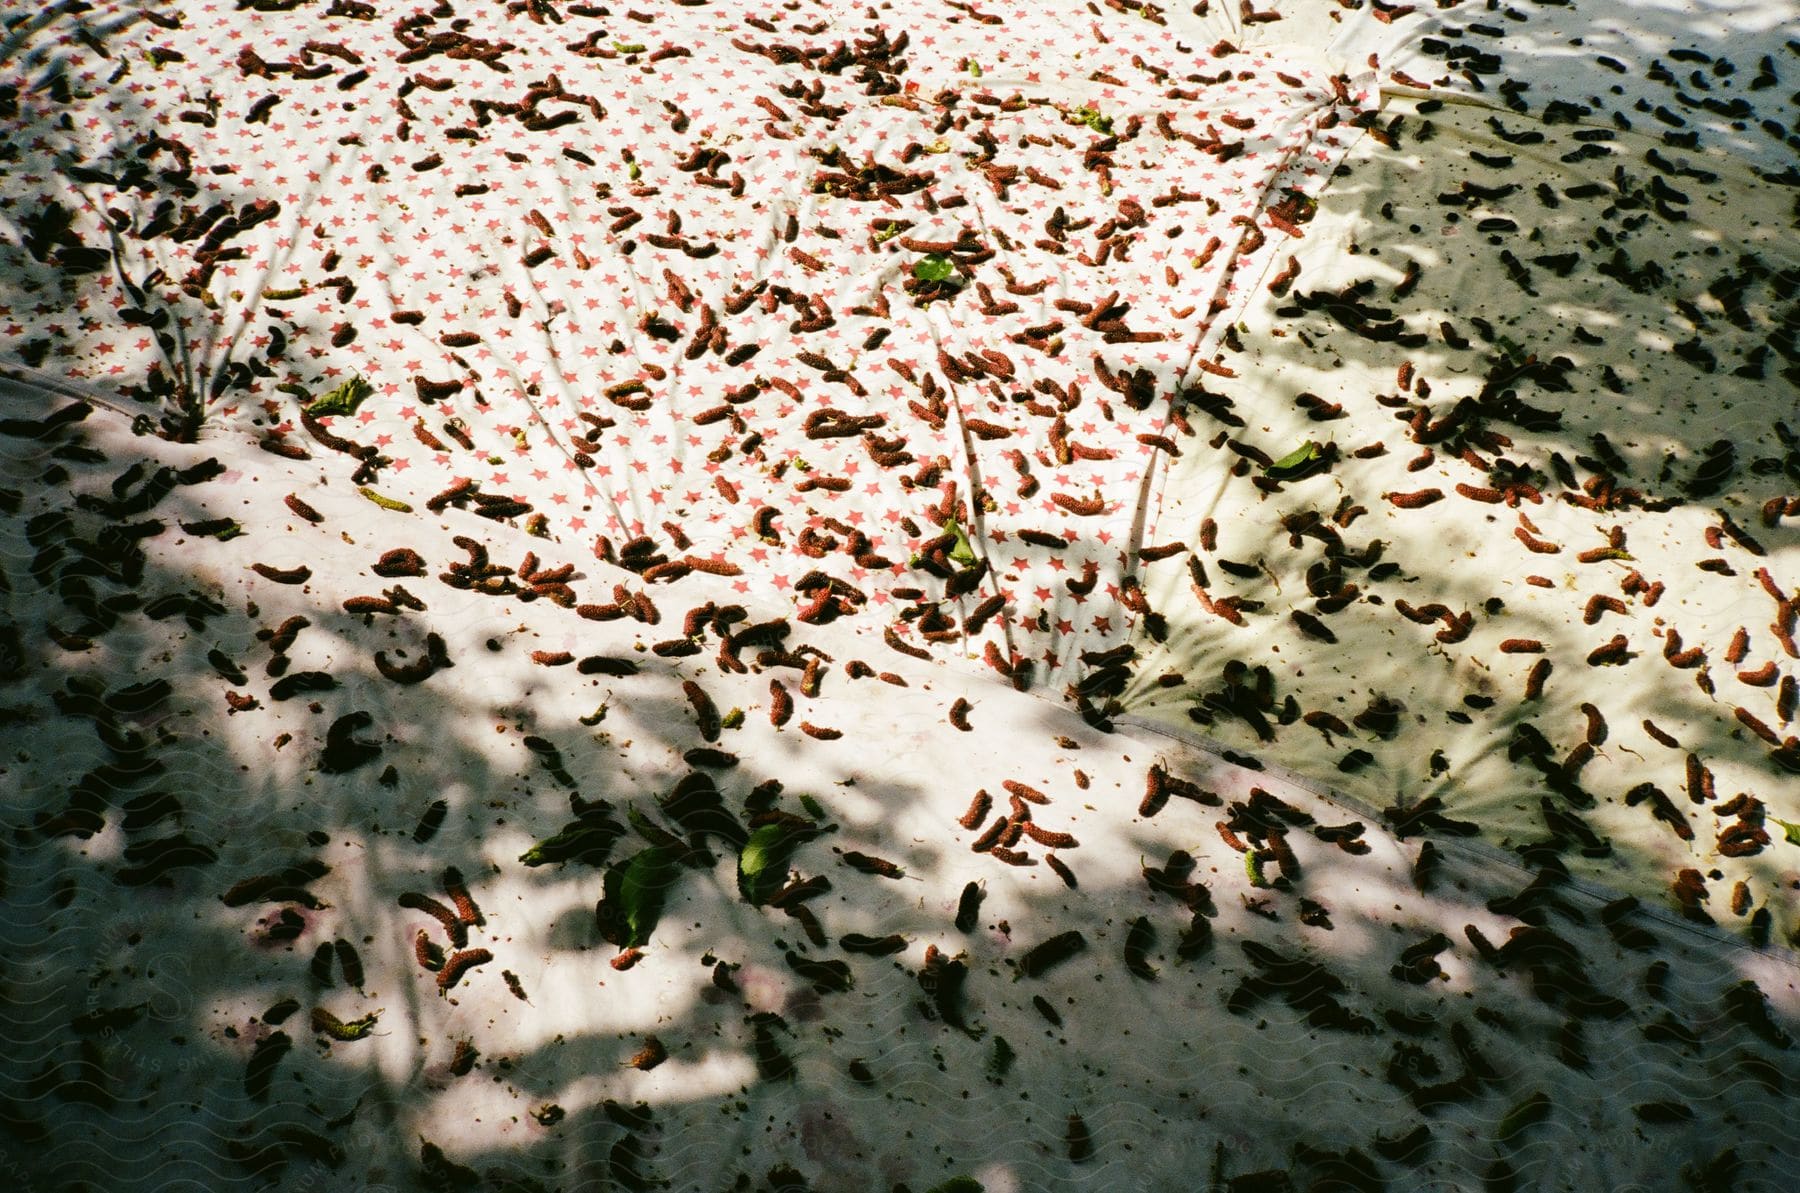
(1477, 314)
(689, 588)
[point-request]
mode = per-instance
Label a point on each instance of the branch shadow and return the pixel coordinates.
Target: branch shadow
(145, 1008)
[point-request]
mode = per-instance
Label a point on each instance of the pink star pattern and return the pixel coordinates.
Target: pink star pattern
(633, 282)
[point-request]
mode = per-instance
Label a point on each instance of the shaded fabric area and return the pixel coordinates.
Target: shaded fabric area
(754, 597)
(1542, 569)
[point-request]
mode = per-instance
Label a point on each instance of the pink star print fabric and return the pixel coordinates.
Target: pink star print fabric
(909, 309)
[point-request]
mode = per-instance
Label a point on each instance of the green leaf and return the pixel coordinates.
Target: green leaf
(1789, 828)
(962, 553)
(1298, 456)
(1296, 462)
(1094, 120)
(634, 894)
(653, 832)
(342, 400)
(588, 840)
(763, 864)
(934, 267)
